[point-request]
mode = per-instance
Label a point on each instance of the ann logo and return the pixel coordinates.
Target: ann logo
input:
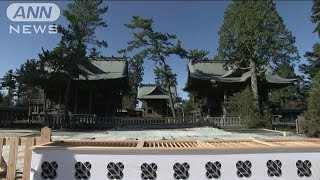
(33, 12)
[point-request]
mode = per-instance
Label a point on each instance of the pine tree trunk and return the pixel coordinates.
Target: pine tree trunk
(171, 102)
(169, 90)
(254, 84)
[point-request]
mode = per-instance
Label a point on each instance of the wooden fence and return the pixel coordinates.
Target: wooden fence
(10, 115)
(14, 142)
(90, 121)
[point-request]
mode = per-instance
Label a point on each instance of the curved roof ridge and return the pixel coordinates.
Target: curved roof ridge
(154, 88)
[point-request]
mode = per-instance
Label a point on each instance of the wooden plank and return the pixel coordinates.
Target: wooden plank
(202, 144)
(38, 141)
(11, 173)
(7, 141)
(3, 165)
(27, 158)
(1, 149)
(140, 144)
(264, 142)
(45, 135)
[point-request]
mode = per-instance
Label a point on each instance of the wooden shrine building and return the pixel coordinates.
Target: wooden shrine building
(210, 83)
(155, 100)
(101, 93)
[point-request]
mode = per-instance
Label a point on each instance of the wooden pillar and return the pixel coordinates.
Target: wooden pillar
(209, 105)
(75, 107)
(29, 112)
(44, 102)
(59, 99)
(45, 106)
(106, 96)
(225, 98)
(7, 119)
(90, 100)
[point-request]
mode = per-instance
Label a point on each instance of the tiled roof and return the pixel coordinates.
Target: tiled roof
(215, 71)
(105, 68)
(154, 92)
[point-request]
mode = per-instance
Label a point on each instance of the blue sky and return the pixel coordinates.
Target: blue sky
(195, 23)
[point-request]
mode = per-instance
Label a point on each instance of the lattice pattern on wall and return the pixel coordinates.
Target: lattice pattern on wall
(179, 171)
(274, 168)
(149, 171)
(179, 160)
(49, 170)
(115, 170)
(213, 170)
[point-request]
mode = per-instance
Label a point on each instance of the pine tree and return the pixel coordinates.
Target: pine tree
(9, 83)
(153, 45)
(242, 104)
(284, 97)
(135, 72)
(161, 73)
(315, 18)
(313, 113)
(94, 53)
(313, 57)
(252, 36)
(1, 98)
(84, 17)
(312, 127)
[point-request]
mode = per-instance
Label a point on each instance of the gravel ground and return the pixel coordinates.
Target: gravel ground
(202, 133)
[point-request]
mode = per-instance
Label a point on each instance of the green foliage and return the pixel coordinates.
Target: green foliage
(242, 104)
(135, 72)
(313, 113)
(94, 53)
(161, 73)
(303, 89)
(252, 36)
(84, 17)
(253, 30)
(284, 97)
(148, 44)
(7, 101)
(312, 68)
(9, 83)
(64, 62)
(20, 82)
(189, 106)
(315, 18)
(194, 55)
(312, 127)
(30, 73)
(29, 77)
(313, 59)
